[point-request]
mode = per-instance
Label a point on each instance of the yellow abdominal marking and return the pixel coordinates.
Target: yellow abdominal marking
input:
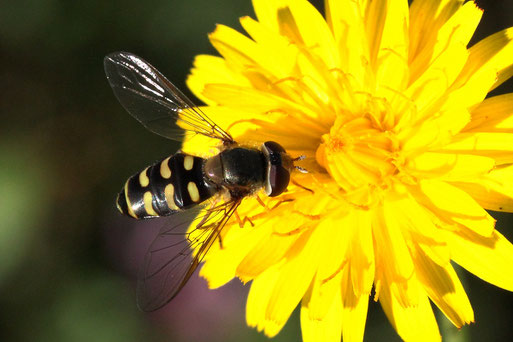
(165, 171)
(148, 198)
(188, 162)
(193, 191)
(169, 191)
(128, 204)
(143, 178)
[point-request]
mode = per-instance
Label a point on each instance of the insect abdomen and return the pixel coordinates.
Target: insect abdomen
(165, 187)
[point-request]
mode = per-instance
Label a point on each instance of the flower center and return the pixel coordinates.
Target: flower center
(359, 152)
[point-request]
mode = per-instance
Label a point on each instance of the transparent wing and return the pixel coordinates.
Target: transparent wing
(154, 101)
(169, 262)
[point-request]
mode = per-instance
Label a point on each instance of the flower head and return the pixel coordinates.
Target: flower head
(403, 152)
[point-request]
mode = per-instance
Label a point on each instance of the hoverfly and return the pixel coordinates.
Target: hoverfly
(181, 181)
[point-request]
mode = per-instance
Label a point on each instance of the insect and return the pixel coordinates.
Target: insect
(185, 183)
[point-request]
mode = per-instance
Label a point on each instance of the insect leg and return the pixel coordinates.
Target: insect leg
(243, 221)
(301, 186)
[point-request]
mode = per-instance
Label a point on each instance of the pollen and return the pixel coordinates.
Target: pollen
(334, 143)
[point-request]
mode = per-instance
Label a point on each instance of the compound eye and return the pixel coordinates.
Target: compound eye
(277, 177)
(273, 147)
(277, 180)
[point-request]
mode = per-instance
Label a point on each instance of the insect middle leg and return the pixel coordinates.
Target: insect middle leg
(244, 220)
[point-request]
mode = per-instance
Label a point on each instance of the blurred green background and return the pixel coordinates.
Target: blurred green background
(67, 259)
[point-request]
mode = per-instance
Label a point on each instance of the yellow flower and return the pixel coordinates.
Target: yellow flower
(403, 153)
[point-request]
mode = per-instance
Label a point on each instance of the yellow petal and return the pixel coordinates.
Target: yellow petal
(492, 54)
(427, 135)
(444, 288)
(221, 264)
(328, 329)
(317, 203)
(351, 310)
(296, 274)
(258, 300)
(211, 69)
(451, 119)
(242, 52)
(494, 191)
(354, 309)
(267, 12)
(322, 294)
(494, 114)
(429, 87)
(393, 259)
(375, 17)
(498, 146)
(339, 228)
(392, 57)
(346, 22)
(361, 253)
(504, 75)
(449, 39)
(473, 91)
(459, 29)
(335, 260)
(426, 19)
(434, 131)
(418, 227)
(233, 46)
(414, 323)
(454, 205)
(277, 48)
(314, 32)
(267, 252)
(246, 98)
(449, 166)
(489, 258)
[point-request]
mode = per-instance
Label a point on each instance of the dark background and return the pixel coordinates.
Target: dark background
(67, 259)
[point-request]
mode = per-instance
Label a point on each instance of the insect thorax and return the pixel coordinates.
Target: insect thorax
(239, 170)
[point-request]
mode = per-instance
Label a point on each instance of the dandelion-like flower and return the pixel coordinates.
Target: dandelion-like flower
(403, 154)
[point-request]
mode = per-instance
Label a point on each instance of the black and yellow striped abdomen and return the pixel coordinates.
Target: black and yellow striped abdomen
(165, 187)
